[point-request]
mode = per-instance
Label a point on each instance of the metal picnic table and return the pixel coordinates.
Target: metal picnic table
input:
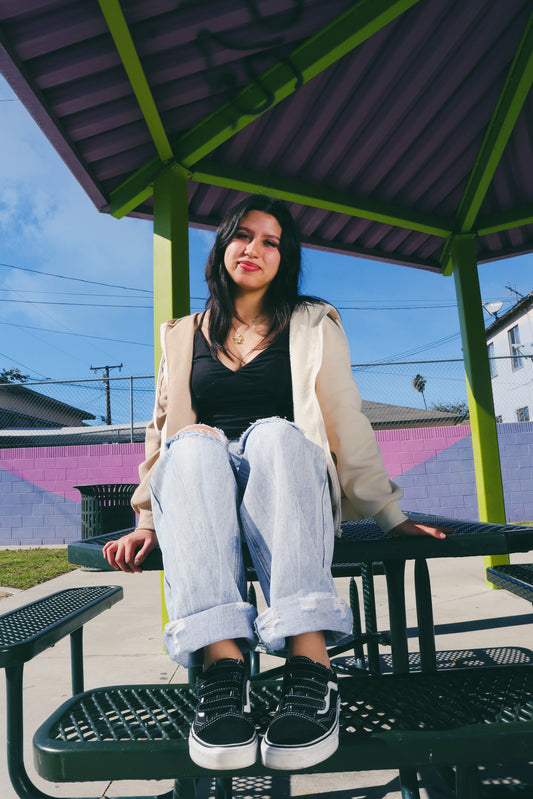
(363, 544)
(444, 718)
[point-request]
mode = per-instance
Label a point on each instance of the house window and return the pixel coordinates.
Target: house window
(492, 362)
(514, 346)
(522, 414)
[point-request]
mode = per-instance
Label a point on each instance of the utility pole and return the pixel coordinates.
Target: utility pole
(107, 389)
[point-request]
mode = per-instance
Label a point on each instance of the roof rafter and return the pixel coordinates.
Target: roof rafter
(317, 197)
(118, 27)
(506, 220)
(508, 107)
(343, 34)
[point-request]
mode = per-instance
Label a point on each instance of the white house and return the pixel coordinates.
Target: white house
(510, 345)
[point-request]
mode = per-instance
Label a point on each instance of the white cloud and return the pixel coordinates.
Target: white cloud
(47, 223)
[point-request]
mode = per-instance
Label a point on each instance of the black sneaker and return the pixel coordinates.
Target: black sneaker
(305, 727)
(223, 734)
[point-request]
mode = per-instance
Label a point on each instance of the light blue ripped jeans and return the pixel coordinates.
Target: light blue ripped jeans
(272, 485)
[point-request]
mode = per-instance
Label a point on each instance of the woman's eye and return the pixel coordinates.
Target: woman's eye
(271, 243)
(241, 235)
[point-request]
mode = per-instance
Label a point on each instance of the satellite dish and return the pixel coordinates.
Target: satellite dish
(527, 349)
(493, 307)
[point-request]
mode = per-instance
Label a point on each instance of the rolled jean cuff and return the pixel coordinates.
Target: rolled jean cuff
(294, 615)
(184, 637)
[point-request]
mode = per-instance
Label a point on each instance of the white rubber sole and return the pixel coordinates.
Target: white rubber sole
(221, 758)
(291, 758)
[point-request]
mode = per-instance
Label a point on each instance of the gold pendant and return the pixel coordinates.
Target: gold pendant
(238, 338)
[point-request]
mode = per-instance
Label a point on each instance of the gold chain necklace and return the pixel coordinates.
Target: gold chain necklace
(238, 337)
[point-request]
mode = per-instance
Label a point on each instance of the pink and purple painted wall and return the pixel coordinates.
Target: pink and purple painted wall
(433, 466)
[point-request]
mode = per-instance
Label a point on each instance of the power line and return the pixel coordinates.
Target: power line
(397, 307)
(68, 293)
(77, 304)
(80, 335)
(77, 279)
(25, 365)
(47, 313)
(430, 345)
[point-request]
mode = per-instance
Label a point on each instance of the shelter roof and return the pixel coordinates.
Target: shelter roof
(390, 125)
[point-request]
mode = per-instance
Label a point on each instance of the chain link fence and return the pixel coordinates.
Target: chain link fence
(412, 393)
(90, 411)
(116, 409)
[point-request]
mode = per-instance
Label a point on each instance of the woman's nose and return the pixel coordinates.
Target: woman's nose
(250, 247)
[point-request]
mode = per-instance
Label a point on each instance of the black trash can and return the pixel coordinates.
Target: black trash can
(106, 508)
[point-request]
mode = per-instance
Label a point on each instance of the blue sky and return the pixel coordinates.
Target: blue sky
(57, 328)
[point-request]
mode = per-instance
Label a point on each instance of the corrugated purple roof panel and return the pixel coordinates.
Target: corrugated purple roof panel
(398, 122)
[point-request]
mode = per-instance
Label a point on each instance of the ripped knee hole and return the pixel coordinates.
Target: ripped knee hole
(201, 428)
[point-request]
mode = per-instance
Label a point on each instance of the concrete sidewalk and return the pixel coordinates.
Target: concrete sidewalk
(123, 645)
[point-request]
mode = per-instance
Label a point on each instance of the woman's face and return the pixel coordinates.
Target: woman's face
(252, 257)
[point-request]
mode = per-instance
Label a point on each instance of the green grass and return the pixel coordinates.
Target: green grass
(23, 568)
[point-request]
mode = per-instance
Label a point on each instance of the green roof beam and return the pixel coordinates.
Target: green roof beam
(510, 102)
(506, 220)
(446, 257)
(138, 187)
(317, 197)
(506, 113)
(118, 27)
(343, 34)
(350, 29)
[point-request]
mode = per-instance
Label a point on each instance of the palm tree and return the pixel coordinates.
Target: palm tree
(419, 385)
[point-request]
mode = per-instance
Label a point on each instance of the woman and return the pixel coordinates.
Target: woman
(257, 431)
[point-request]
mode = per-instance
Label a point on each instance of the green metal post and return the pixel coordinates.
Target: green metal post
(171, 252)
(171, 264)
(76, 661)
(479, 389)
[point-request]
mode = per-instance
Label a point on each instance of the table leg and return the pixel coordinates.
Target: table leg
(371, 627)
(468, 782)
(15, 726)
(183, 789)
(223, 788)
(76, 660)
(395, 576)
(193, 672)
(409, 784)
(357, 632)
(424, 612)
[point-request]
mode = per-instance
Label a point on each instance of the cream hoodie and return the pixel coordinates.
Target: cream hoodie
(327, 407)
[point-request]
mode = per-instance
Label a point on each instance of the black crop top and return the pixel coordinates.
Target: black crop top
(231, 400)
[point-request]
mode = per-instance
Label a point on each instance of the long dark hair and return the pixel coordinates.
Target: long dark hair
(283, 293)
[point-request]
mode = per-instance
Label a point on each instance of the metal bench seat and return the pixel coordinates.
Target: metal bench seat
(29, 630)
(32, 628)
(450, 718)
(487, 657)
(516, 578)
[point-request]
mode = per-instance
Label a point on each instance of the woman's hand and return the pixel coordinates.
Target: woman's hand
(411, 528)
(128, 552)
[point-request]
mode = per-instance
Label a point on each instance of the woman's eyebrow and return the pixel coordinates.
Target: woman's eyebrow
(252, 232)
